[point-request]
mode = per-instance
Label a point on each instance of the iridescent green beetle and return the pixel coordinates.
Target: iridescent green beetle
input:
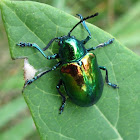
(80, 73)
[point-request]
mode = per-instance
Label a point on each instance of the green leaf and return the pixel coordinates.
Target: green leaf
(115, 116)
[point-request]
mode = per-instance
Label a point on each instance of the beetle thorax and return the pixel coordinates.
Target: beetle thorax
(71, 49)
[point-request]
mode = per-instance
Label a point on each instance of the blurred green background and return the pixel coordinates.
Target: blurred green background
(118, 17)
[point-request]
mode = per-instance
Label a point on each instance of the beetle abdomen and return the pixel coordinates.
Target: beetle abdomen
(83, 83)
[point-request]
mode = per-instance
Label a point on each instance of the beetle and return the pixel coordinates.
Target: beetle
(79, 71)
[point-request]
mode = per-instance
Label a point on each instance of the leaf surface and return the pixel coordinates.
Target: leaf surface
(114, 116)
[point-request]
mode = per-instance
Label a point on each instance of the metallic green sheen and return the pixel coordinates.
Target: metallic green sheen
(83, 83)
(71, 49)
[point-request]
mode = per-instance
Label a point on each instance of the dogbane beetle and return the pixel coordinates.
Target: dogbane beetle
(79, 72)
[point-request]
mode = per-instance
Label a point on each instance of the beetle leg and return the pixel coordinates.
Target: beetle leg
(55, 56)
(110, 41)
(86, 40)
(106, 77)
(28, 82)
(85, 26)
(63, 97)
(21, 44)
(51, 41)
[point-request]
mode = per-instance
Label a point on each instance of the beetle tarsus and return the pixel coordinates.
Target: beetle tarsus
(106, 78)
(62, 107)
(114, 86)
(110, 41)
(28, 82)
(21, 44)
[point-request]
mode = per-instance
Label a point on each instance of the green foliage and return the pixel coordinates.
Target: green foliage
(13, 108)
(14, 82)
(126, 29)
(115, 116)
(23, 128)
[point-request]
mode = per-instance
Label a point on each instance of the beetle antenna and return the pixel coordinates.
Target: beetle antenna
(96, 14)
(50, 43)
